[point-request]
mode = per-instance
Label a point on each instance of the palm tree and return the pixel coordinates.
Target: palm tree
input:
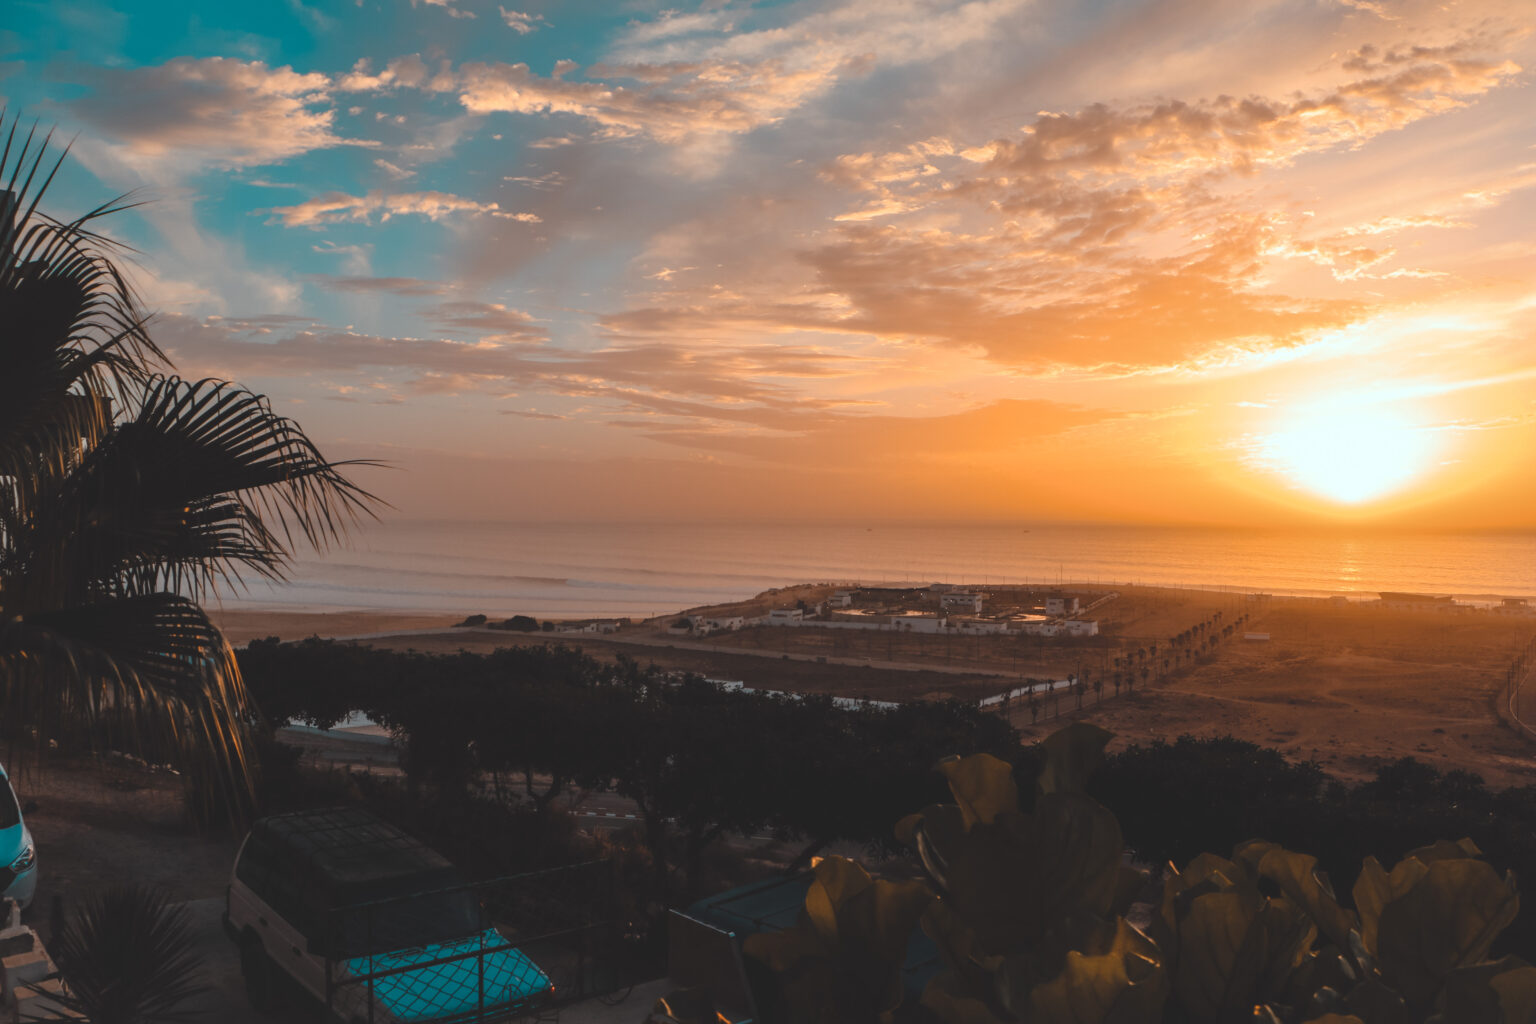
(129, 956)
(125, 495)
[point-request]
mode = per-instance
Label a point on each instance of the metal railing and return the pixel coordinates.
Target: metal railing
(525, 944)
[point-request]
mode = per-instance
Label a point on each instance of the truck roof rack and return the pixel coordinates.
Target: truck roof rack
(351, 846)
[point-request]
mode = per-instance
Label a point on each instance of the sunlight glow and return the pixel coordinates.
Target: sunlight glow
(1348, 453)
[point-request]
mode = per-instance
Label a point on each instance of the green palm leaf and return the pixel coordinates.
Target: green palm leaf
(125, 495)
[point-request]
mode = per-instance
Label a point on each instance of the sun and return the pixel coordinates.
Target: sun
(1349, 453)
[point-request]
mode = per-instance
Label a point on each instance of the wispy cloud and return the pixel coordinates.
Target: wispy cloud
(520, 21)
(213, 110)
(339, 207)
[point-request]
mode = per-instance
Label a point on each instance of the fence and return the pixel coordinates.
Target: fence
(508, 949)
(1518, 697)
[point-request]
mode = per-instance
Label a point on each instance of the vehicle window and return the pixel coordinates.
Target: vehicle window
(10, 813)
(421, 920)
(283, 893)
(255, 864)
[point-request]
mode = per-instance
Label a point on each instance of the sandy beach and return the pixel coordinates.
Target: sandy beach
(242, 625)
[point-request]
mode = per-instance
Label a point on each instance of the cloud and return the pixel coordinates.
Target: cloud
(542, 182)
(741, 378)
(356, 259)
(519, 22)
(848, 440)
(413, 286)
(395, 173)
(213, 110)
(673, 102)
(1107, 240)
(447, 5)
(408, 72)
(873, 32)
(487, 320)
(313, 18)
(1023, 307)
(533, 414)
(339, 207)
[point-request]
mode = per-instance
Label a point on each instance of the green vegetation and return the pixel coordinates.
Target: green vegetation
(1024, 860)
(697, 761)
(124, 495)
(129, 957)
(1027, 903)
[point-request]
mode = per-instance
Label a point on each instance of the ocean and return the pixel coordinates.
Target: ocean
(576, 570)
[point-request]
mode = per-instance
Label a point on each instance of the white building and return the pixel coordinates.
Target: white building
(915, 622)
(978, 627)
(960, 600)
(781, 616)
(1060, 604)
(730, 622)
(840, 599)
(1080, 627)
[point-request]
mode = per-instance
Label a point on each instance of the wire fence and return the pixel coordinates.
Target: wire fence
(1519, 697)
(508, 949)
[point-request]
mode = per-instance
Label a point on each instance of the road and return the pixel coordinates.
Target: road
(668, 641)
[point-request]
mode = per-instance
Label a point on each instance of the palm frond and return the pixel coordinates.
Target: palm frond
(179, 496)
(126, 494)
(151, 675)
(128, 956)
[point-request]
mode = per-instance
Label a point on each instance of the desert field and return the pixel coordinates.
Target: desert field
(1349, 687)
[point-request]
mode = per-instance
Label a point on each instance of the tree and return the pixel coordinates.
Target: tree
(125, 494)
(129, 956)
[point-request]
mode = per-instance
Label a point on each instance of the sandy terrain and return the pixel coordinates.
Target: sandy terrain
(243, 626)
(97, 823)
(1349, 686)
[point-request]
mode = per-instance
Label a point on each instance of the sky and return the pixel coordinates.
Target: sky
(920, 260)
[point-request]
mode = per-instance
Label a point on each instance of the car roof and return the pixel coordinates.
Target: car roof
(351, 846)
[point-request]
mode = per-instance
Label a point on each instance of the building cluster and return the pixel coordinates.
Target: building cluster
(959, 612)
(1398, 601)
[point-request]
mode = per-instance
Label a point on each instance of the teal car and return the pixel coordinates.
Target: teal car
(372, 923)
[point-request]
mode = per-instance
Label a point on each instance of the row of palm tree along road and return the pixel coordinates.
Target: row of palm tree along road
(126, 493)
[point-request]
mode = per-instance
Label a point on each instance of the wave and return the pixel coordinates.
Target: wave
(576, 570)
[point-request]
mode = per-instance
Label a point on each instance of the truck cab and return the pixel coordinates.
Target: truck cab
(371, 922)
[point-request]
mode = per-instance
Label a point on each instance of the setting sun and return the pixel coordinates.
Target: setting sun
(1349, 453)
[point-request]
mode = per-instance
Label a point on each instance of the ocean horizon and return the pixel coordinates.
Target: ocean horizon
(578, 570)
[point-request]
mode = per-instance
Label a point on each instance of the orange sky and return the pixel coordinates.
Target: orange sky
(1270, 263)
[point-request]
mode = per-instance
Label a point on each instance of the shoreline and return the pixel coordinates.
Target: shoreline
(245, 622)
(1347, 685)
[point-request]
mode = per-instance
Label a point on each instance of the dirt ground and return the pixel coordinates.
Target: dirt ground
(798, 673)
(101, 822)
(1351, 688)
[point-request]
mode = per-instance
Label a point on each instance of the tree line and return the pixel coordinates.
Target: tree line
(698, 761)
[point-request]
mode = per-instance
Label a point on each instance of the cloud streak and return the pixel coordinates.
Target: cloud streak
(339, 207)
(215, 110)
